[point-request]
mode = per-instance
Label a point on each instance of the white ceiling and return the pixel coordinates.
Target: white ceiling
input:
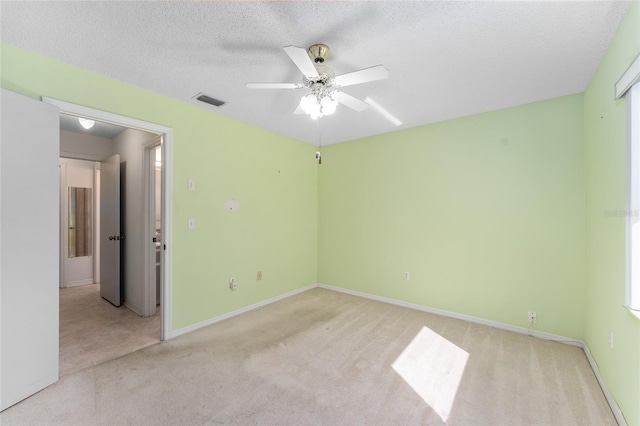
(446, 59)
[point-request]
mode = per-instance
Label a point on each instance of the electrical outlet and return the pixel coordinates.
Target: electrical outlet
(259, 275)
(611, 340)
(406, 276)
(533, 317)
(233, 284)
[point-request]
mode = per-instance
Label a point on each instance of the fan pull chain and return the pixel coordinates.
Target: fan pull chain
(319, 153)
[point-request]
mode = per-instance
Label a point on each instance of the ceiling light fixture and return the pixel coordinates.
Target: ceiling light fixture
(319, 102)
(86, 123)
(324, 85)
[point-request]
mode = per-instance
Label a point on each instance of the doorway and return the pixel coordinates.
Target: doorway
(30, 312)
(157, 186)
(104, 311)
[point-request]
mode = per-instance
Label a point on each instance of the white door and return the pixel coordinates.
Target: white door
(110, 230)
(29, 246)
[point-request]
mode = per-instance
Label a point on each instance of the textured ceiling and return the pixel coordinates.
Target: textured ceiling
(446, 59)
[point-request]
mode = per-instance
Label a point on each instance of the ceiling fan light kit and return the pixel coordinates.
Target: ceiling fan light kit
(319, 102)
(323, 98)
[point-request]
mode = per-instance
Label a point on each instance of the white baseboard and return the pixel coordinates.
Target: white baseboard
(222, 317)
(469, 318)
(615, 409)
(78, 283)
(133, 307)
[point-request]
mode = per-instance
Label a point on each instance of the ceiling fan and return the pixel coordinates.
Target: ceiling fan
(324, 85)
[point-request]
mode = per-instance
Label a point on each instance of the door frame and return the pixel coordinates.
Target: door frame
(149, 172)
(167, 179)
(64, 214)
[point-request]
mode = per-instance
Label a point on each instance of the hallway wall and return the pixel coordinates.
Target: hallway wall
(130, 146)
(87, 147)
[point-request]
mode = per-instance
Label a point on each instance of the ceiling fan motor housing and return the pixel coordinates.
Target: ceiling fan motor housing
(319, 52)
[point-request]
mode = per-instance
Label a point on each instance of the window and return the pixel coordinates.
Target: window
(629, 86)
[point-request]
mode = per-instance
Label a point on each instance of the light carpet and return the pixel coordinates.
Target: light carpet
(326, 358)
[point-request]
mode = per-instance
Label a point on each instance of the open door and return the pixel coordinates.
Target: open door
(110, 230)
(29, 246)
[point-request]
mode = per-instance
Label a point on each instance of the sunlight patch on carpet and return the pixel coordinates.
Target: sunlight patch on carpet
(433, 367)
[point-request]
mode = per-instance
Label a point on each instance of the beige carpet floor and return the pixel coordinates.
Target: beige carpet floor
(93, 331)
(326, 358)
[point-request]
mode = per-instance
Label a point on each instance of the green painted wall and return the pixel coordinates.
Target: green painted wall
(605, 145)
(485, 212)
(272, 176)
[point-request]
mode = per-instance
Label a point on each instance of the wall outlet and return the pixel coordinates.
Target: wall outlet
(259, 275)
(533, 317)
(611, 340)
(233, 284)
(406, 276)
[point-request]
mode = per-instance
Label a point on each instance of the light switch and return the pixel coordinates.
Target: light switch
(191, 224)
(191, 185)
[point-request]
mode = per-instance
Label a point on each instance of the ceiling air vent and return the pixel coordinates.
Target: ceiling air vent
(208, 100)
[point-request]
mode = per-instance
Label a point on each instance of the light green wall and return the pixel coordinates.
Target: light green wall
(272, 176)
(605, 130)
(485, 212)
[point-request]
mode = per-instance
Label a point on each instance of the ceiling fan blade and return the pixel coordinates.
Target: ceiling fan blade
(273, 85)
(379, 72)
(348, 100)
(301, 58)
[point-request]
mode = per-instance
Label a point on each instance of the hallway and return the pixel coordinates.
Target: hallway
(93, 331)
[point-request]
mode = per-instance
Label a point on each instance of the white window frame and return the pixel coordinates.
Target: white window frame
(629, 87)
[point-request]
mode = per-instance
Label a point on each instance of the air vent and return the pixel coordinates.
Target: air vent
(209, 100)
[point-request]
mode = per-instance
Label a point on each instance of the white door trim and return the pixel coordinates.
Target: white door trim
(630, 77)
(167, 179)
(149, 171)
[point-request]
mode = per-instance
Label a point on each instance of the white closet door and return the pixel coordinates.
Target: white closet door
(29, 246)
